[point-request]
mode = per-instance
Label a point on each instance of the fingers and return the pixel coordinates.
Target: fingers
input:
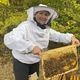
(75, 41)
(36, 50)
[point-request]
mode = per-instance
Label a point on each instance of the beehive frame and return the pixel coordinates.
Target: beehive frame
(57, 59)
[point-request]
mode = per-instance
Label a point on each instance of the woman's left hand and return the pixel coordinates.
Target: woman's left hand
(75, 41)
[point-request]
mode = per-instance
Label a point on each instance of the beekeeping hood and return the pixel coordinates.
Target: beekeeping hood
(31, 11)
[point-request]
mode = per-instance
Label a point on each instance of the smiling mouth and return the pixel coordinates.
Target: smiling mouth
(43, 20)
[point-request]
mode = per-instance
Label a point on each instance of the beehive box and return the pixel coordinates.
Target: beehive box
(58, 61)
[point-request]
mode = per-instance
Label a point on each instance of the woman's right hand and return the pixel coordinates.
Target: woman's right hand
(36, 50)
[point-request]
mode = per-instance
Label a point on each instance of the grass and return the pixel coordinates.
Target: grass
(6, 72)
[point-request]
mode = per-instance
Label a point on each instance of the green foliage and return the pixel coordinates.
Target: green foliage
(12, 19)
(30, 3)
(6, 2)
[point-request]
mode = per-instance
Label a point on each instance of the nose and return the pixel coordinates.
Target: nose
(44, 16)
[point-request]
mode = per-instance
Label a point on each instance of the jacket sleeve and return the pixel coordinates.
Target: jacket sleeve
(15, 40)
(60, 37)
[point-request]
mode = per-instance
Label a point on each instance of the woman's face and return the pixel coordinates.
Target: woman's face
(42, 17)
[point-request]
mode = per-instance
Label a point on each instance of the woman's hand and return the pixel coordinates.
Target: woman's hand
(75, 41)
(36, 50)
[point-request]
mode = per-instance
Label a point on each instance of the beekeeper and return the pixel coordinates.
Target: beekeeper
(31, 37)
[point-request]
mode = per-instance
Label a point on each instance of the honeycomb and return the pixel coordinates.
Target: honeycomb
(59, 61)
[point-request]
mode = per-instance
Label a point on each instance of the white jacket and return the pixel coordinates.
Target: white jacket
(22, 39)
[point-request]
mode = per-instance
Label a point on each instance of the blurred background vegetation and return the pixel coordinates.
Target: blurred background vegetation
(12, 12)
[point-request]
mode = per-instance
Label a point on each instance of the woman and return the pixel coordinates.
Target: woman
(31, 37)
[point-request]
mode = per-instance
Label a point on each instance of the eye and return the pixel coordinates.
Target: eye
(44, 13)
(47, 14)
